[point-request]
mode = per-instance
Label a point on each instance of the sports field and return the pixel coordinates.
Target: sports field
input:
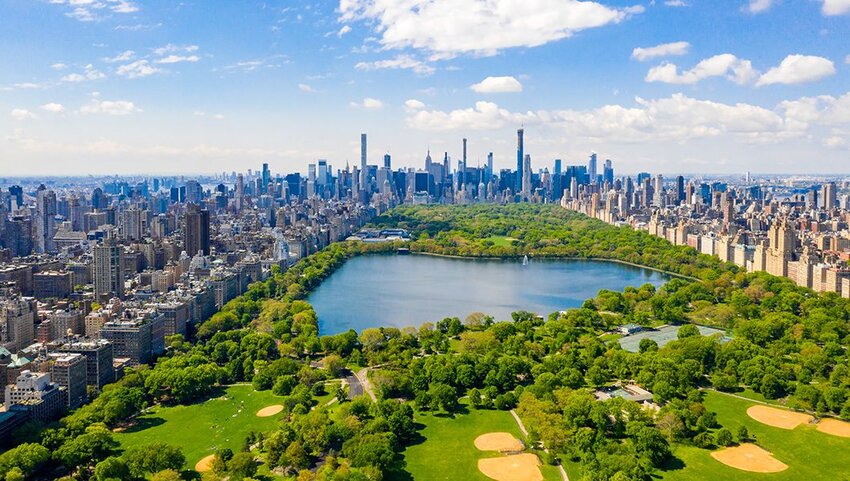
(199, 429)
(809, 454)
(447, 449)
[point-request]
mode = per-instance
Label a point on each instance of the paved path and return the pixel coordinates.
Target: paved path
(525, 433)
(355, 388)
(363, 377)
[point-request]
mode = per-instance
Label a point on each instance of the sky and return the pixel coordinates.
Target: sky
(670, 86)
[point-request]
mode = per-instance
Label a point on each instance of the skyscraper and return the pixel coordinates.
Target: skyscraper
(388, 161)
(557, 167)
(196, 230)
(45, 215)
(108, 270)
(591, 168)
(519, 158)
(240, 192)
(526, 176)
(489, 166)
(830, 199)
(608, 172)
(266, 177)
(362, 161)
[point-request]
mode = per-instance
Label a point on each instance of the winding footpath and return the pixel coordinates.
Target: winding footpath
(525, 433)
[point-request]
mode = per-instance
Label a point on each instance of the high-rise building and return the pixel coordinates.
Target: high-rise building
(322, 175)
(130, 338)
(17, 322)
(388, 161)
(830, 198)
(591, 168)
(266, 177)
(69, 372)
(489, 166)
(526, 176)
(519, 159)
(196, 230)
(363, 169)
(98, 354)
(108, 270)
(557, 170)
(45, 217)
(608, 172)
(240, 192)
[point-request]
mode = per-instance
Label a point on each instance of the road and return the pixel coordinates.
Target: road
(355, 387)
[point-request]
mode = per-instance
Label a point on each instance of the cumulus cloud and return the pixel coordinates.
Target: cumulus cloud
(368, 103)
(836, 7)
(497, 85)
(675, 3)
(759, 6)
(447, 28)
(178, 58)
(306, 88)
(53, 107)
(663, 50)
(90, 73)
(398, 62)
(342, 31)
(92, 10)
(483, 116)
(797, 69)
(22, 114)
(58, 66)
(724, 65)
(121, 57)
(413, 104)
(109, 107)
(172, 48)
(137, 69)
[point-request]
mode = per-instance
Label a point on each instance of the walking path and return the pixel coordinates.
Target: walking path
(525, 433)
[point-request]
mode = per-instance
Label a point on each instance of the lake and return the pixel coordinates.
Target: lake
(408, 290)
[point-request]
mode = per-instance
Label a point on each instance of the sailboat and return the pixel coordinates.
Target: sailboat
(525, 260)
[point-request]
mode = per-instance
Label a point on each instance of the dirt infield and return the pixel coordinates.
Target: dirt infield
(834, 427)
(778, 418)
(203, 465)
(749, 457)
(269, 410)
(501, 442)
(519, 467)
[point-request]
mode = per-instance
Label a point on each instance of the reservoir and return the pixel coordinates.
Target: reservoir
(408, 290)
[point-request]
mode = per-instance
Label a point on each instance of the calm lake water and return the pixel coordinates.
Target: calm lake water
(407, 290)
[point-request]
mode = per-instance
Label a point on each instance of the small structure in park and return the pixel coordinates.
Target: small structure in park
(629, 392)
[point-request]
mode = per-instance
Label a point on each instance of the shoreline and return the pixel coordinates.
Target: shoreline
(595, 259)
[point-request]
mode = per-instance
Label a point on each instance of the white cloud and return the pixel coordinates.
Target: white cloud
(447, 28)
(676, 118)
(124, 7)
(797, 69)
(342, 31)
(171, 48)
(91, 10)
(121, 57)
(306, 88)
(368, 103)
(663, 50)
(218, 116)
(90, 73)
(724, 65)
(759, 6)
(675, 3)
(58, 66)
(398, 62)
(109, 107)
(53, 107)
(413, 105)
(497, 85)
(22, 114)
(137, 69)
(178, 58)
(836, 7)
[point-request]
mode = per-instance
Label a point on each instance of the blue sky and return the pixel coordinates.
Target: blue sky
(128, 86)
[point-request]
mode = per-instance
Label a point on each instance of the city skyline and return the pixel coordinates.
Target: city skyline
(126, 87)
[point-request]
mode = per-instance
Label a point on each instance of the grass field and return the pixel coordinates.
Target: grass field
(501, 241)
(810, 455)
(446, 451)
(199, 429)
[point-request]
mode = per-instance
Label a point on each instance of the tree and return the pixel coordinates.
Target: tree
(167, 475)
(370, 450)
(88, 448)
(15, 474)
(241, 466)
(154, 457)
(647, 345)
(723, 437)
(688, 330)
(111, 469)
(743, 434)
(26, 458)
(444, 396)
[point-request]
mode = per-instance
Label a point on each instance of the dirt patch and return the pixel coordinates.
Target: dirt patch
(501, 442)
(519, 467)
(834, 427)
(778, 418)
(269, 410)
(205, 464)
(749, 457)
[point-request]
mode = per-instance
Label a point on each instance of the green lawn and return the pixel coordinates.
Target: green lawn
(810, 455)
(501, 241)
(199, 429)
(447, 452)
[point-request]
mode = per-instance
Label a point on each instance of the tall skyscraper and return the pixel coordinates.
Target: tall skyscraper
(363, 169)
(608, 172)
(519, 158)
(108, 270)
(489, 166)
(266, 177)
(557, 167)
(196, 230)
(45, 216)
(526, 176)
(240, 192)
(591, 168)
(830, 199)
(388, 161)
